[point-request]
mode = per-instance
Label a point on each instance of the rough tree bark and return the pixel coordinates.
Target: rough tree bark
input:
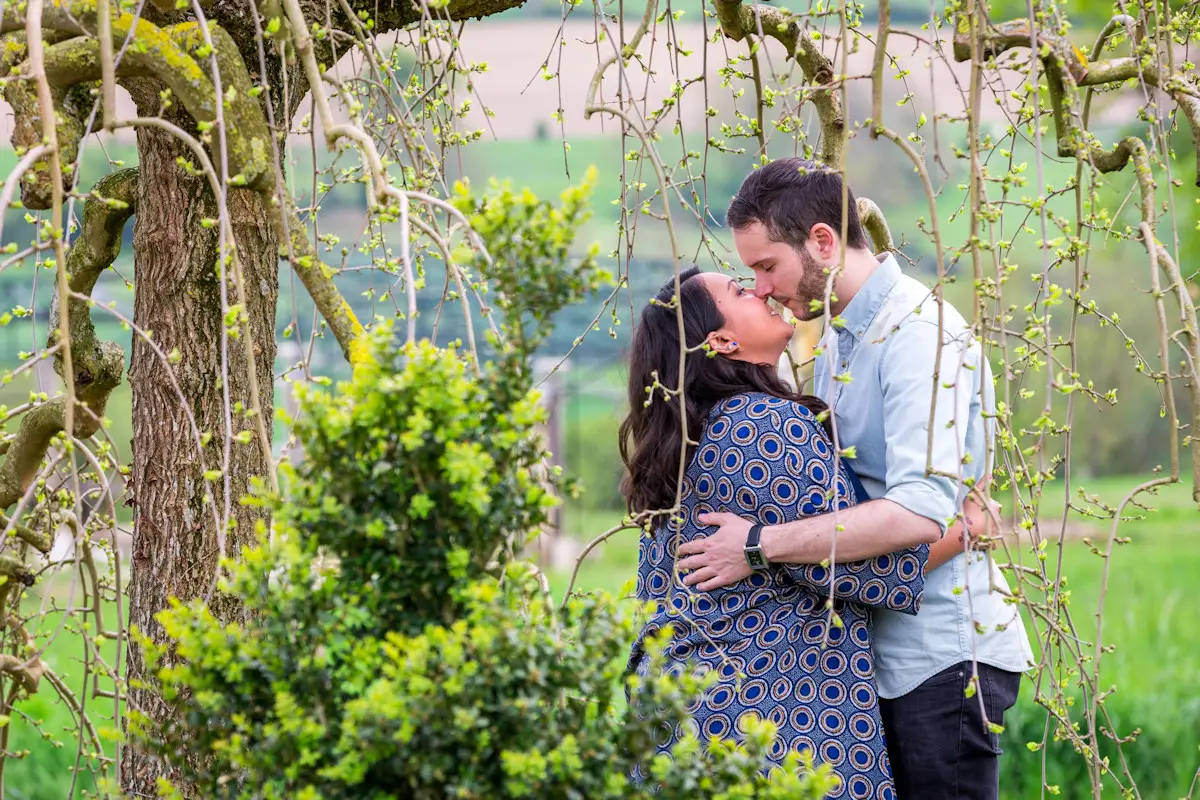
(177, 297)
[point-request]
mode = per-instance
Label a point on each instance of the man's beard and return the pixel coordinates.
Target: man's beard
(811, 286)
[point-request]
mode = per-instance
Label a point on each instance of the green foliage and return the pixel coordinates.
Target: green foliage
(394, 647)
(528, 240)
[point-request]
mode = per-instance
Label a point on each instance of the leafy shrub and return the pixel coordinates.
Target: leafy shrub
(396, 648)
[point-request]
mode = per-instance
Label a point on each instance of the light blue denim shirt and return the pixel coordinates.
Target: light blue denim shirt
(875, 368)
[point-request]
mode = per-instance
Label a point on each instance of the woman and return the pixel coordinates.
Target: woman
(757, 449)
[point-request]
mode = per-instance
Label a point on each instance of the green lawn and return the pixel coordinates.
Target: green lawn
(1155, 664)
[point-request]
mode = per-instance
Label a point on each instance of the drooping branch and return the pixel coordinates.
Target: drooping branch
(1068, 67)
(97, 365)
(739, 20)
(318, 280)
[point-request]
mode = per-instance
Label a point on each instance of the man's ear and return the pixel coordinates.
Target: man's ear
(825, 240)
(721, 342)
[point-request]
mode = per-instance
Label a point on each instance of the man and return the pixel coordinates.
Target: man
(875, 368)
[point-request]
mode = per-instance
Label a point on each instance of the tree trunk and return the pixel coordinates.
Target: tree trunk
(178, 298)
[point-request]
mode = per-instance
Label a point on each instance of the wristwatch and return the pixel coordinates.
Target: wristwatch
(754, 553)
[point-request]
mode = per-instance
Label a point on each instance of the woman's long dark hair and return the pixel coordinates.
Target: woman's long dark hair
(650, 435)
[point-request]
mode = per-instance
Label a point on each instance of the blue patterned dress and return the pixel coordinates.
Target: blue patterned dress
(767, 458)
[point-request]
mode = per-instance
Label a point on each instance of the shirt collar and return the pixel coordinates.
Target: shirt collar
(862, 308)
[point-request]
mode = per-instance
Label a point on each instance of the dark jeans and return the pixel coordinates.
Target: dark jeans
(937, 738)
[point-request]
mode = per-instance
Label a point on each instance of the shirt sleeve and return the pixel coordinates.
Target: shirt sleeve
(908, 388)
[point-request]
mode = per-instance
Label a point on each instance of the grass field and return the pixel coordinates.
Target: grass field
(1147, 616)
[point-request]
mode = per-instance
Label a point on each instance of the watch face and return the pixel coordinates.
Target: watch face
(755, 558)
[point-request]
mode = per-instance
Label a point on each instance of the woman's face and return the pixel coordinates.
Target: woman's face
(752, 331)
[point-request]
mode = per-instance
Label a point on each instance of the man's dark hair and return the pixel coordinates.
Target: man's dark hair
(789, 196)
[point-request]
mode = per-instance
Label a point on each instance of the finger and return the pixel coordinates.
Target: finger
(693, 547)
(692, 562)
(716, 519)
(706, 574)
(715, 583)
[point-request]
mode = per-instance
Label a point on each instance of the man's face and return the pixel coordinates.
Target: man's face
(792, 277)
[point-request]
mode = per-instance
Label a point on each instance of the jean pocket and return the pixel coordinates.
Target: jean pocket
(948, 676)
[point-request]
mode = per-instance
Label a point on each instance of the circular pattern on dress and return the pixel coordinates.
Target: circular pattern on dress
(724, 490)
(705, 487)
(799, 431)
(657, 581)
(861, 757)
(814, 632)
(860, 665)
(761, 664)
(862, 725)
(729, 670)
(862, 695)
(802, 719)
(883, 565)
(750, 621)
(717, 430)
(743, 434)
(771, 636)
(908, 567)
(721, 627)
(718, 725)
(757, 473)
(733, 601)
(787, 660)
(736, 403)
(770, 446)
(833, 692)
(901, 597)
(845, 586)
(731, 460)
(708, 456)
(703, 605)
(860, 633)
(810, 658)
(833, 663)
(833, 752)
(806, 690)
(747, 499)
(859, 787)
(753, 692)
(802, 743)
(758, 409)
(771, 514)
(873, 591)
(784, 490)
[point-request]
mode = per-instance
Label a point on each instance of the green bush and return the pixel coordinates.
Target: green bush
(395, 647)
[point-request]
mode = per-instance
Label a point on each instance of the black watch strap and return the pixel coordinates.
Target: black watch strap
(755, 558)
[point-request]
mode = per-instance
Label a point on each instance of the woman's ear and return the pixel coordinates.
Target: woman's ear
(721, 342)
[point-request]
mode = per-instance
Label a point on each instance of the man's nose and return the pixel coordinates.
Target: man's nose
(762, 289)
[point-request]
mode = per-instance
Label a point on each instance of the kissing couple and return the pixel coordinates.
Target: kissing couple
(820, 559)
